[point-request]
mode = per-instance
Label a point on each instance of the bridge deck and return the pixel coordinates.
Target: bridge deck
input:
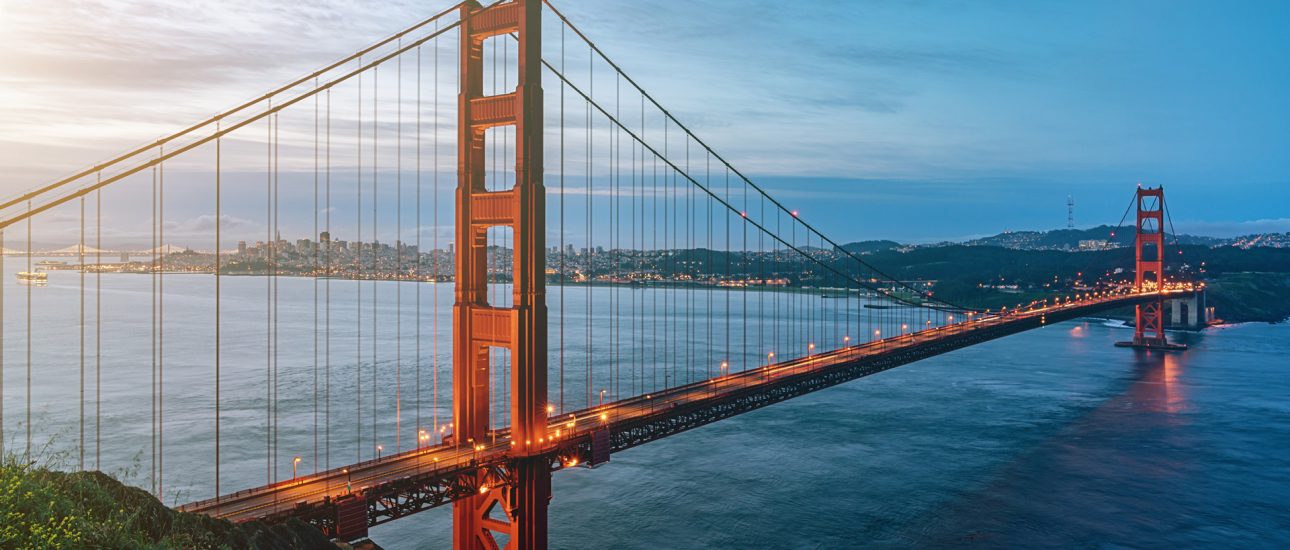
(412, 481)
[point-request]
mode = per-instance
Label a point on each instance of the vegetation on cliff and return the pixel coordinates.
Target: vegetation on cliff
(44, 508)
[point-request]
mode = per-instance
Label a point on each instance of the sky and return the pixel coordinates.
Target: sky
(913, 121)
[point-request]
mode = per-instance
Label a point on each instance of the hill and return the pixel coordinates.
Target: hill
(49, 509)
(1071, 239)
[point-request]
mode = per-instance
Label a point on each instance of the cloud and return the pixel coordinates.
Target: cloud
(205, 225)
(931, 91)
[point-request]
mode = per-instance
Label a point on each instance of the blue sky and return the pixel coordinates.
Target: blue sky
(913, 121)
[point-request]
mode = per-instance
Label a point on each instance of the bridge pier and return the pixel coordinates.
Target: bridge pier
(1198, 313)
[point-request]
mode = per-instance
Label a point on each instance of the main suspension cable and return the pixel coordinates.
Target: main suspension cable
(596, 49)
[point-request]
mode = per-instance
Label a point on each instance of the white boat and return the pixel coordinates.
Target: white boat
(36, 277)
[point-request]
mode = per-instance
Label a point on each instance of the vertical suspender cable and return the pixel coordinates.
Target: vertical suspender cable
(376, 273)
(640, 339)
(655, 310)
(709, 272)
(316, 251)
(161, 329)
(98, 317)
(563, 274)
(268, 300)
(277, 238)
(669, 243)
(690, 218)
(761, 276)
(633, 253)
(80, 252)
(591, 249)
(27, 454)
(745, 274)
(419, 274)
(152, 276)
(358, 286)
(615, 343)
(219, 223)
(434, 258)
(398, 254)
(327, 306)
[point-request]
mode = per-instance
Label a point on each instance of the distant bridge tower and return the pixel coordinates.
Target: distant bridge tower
(1149, 263)
(1070, 212)
(514, 512)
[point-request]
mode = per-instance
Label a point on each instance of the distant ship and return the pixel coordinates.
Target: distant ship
(38, 277)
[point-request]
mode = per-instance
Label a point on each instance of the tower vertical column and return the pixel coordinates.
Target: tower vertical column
(1149, 254)
(516, 512)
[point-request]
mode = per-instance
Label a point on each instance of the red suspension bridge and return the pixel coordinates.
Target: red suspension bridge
(396, 362)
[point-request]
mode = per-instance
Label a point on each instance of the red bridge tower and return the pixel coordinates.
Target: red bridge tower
(513, 514)
(1149, 264)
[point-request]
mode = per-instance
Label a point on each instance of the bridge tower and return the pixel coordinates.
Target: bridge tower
(1149, 255)
(516, 512)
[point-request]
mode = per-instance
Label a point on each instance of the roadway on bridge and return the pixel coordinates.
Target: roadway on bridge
(272, 499)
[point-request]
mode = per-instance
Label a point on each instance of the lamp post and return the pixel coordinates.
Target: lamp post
(294, 462)
(379, 448)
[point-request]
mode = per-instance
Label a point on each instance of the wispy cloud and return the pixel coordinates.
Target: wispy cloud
(909, 92)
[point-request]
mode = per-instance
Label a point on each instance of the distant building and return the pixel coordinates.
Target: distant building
(241, 248)
(1094, 244)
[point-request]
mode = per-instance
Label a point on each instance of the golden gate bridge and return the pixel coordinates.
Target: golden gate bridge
(680, 291)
